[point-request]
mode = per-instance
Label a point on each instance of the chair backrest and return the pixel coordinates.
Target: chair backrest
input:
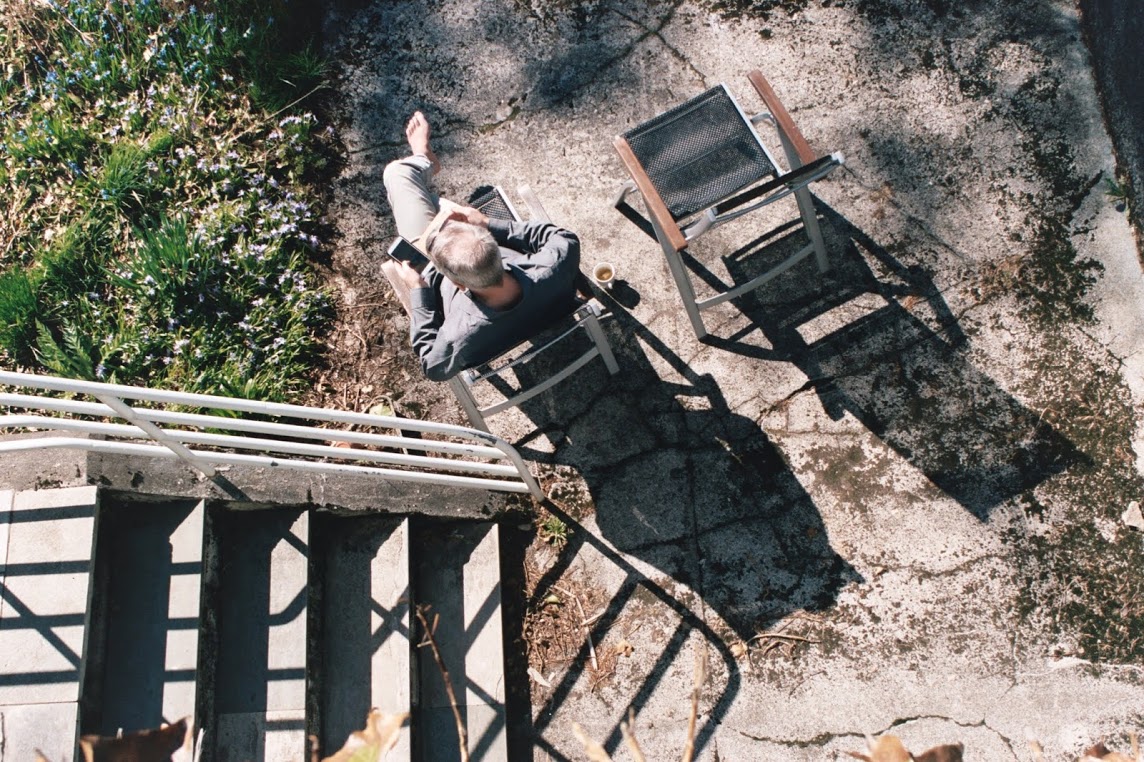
(583, 317)
(700, 152)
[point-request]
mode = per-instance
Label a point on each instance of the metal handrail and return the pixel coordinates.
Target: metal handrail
(196, 438)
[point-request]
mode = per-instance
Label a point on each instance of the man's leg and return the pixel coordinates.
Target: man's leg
(407, 181)
(407, 187)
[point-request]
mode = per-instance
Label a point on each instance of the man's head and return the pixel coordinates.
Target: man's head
(467, 254)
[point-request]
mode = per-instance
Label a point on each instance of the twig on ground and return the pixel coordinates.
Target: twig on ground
(630, 737)
(699, 678)
(781, 636)
(462, 735)
(587, 631)
(594, 750)
(593, 619)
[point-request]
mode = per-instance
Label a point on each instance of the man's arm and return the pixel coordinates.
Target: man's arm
(541, 242)
(435, 352)
(421, 301)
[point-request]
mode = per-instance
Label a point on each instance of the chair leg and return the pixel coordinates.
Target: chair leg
(592, 324)
(682, 281)
(810, 222)
(468, 403)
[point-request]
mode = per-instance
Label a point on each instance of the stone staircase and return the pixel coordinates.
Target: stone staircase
(267, 625)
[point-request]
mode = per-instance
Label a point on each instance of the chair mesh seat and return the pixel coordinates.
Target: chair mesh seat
(699, 153)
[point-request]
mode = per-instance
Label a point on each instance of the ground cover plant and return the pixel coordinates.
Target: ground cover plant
(156, 161)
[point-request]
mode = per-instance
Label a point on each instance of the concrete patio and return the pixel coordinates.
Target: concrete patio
(906, 476)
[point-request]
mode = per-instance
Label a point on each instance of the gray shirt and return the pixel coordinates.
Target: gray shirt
(451, 331)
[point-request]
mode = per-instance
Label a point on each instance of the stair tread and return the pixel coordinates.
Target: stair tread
(459, 578)
(366, 625)
(46, 580)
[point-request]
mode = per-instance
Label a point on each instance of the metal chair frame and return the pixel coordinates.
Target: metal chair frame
(674, 235)
(586, 317)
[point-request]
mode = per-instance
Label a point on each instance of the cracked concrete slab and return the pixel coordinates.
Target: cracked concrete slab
(885, 499)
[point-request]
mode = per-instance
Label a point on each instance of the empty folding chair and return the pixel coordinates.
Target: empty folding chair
(703, 163)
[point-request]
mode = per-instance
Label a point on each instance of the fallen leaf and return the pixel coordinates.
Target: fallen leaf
(948, 753)
(534, 673)
(373, 742)
(624, 648)
(885, 749)
(142, 746)
(1132, 516)
(739, 649)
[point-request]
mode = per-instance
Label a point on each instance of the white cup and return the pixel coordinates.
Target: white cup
(604, 274)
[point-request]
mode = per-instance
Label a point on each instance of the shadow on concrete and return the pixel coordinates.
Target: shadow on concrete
(243, 639)
(681, 482)
(345, 643)
(876, 340)
(131, 626)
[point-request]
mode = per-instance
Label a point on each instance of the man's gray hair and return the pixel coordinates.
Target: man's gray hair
(467, 254)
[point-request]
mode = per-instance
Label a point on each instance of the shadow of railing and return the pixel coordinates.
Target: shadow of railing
(359, 628)
(681, 482)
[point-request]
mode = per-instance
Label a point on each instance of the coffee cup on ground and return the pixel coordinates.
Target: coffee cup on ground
(604, 274)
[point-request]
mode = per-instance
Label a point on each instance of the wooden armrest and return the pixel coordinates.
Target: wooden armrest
(655, 206)
(782, 118)
(536, 210)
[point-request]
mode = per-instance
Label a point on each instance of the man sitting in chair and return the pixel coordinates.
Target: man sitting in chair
(489, 284)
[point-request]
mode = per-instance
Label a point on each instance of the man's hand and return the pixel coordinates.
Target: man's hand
(405, 273)
(470, 215)
(404, 279)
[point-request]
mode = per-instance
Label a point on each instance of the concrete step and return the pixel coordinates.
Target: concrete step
(253, 675)
(266, 625)
(143, 641)
(46, 539)
(457, 574)
(362, 640)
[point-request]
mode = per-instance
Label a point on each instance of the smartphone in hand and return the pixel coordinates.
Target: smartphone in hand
(403, 251)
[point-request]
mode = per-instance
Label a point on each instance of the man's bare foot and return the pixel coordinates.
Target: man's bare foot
(417, 133)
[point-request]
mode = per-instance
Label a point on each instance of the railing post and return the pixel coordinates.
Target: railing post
(156, 433)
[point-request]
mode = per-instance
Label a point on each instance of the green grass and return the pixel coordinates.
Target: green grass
(158, 165)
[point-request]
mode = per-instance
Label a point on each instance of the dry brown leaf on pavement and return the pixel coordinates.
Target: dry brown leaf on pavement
(891, 749)
(947, 753)
(373, 742)
(1100, 752)
(885, 749)
(143, 746)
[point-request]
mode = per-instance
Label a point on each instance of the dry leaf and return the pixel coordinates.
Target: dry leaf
(890, 749)
(534, 673)
(949, 753)
(885, 749)
(143, 746)
(1132, 517)
(374, 742)
(739, 649)
(624, 648)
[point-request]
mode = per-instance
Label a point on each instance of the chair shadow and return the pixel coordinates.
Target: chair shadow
(680, 482)
(876, 339)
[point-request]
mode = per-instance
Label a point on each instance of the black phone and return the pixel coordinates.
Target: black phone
(403, 251)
